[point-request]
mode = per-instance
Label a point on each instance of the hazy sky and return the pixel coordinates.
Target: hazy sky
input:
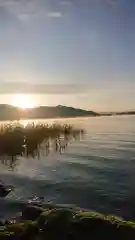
(81, 42)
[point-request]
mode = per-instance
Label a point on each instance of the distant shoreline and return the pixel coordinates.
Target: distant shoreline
(117, 114)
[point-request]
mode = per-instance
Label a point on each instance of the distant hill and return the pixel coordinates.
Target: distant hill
(8, 112)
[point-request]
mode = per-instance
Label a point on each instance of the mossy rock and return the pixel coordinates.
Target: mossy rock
(59, 223)
(24, 230)
(55, 222)
(18, 228)
(7, 235)
(30, 232)
(30, 212)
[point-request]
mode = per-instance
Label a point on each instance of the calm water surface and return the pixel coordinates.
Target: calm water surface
(96, 173)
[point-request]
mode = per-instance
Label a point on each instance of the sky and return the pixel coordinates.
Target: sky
(85, 43)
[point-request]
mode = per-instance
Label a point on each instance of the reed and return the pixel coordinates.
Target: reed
(19, 140)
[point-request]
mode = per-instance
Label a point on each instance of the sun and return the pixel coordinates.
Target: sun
(22, 101)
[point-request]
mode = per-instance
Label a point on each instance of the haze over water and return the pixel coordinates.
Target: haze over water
(96, 173)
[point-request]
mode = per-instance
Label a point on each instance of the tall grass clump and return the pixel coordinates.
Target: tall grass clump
(19, 140)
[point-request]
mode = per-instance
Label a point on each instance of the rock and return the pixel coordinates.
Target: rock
(30, 233)
(60, 223)
(2, 223)
(5, 190)
(126, 232)
(17, 229)
(7, 236)
(43, 218)
(55, 222)
(31, 212)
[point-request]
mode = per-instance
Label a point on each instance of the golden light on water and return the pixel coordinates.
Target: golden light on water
(23, 101)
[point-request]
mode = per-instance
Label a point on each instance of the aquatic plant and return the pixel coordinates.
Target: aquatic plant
(19, 140)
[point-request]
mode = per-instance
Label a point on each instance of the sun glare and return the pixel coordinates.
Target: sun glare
(22, 101)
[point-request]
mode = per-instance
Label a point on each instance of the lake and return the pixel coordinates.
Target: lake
(96, 172)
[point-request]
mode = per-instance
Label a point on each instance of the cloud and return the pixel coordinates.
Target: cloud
(25, 10)
(23, 17)
(22, 9)
(66, 3)
(54, 14)
(27, 88)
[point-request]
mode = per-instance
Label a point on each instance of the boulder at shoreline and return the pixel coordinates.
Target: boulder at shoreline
(52, 222)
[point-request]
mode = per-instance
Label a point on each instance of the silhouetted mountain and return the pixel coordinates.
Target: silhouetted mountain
(8, 112)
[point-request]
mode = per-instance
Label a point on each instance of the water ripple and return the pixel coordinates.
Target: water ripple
(96, 173)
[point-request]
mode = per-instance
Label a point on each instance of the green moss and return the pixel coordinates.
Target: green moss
(61, 223)
(84, 214)
(127, 224)
(47, 212)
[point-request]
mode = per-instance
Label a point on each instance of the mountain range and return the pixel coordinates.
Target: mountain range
(9, 112)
